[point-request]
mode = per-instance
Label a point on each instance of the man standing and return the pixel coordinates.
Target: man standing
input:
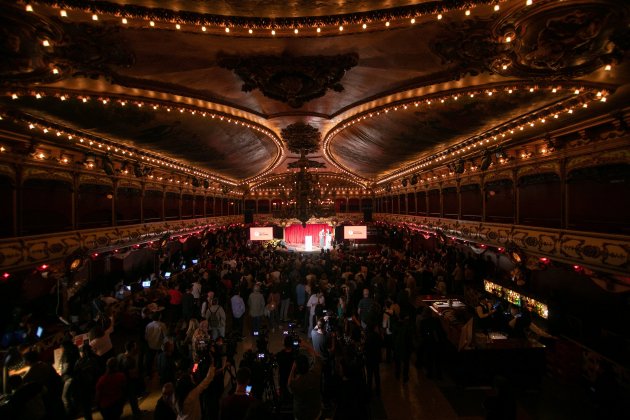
(238, 310)
(154, 333)
(304, 384)
(367, 309)
(321, 239)
(256, 303)
(240, 405)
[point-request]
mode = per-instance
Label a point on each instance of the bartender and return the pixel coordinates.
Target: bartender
(484, 311)
(519, 323)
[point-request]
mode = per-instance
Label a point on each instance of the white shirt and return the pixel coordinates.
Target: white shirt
(196, 290)
(313, 301)
(155, 333)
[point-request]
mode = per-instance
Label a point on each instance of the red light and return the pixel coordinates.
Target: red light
(482, 246)
(544, 260)
(43, 267)
(95, 255)
(577, 267)
(6, 276)
(115, 250)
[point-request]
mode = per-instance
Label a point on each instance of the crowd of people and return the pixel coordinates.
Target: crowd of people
(343, 314)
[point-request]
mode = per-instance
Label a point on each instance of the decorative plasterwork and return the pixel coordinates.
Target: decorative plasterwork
(598, 251)
(34, 250)
(293, 80)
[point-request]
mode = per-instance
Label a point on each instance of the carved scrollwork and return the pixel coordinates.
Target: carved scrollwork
(549, 40)
(289, 79)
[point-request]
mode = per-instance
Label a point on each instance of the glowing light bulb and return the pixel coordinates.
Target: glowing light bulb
(364, 26)
(319, 30)
(439, 17)
(467, 12)
(413, 20)
(151, 23)
(496, 7)
(273, 32)
(528, 2)
(251, 31)
(178, 26)
(63, 13)
(227, 30)
(387, 23)
(295, 31)
(95, 17)
(124, 21)
(29, 8)
(46, 43)
(204, 29)
(340, 28)
(608, 67)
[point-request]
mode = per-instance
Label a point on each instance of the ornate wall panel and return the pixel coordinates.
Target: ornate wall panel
(603, 252)
(16, 253)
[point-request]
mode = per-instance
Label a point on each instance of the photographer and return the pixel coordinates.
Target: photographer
(240, 405)
(304, 383)
(187, 401)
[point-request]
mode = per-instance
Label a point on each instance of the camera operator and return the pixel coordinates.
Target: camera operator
(304, 383)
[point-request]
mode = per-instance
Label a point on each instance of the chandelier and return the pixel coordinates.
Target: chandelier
(305, 197)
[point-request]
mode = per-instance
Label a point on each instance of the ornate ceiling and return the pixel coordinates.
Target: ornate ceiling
(392, 86)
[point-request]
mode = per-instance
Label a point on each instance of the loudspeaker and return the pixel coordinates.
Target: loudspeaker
(367, 215)
(248, 217)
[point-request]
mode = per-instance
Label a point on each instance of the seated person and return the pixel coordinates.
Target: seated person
(519, 323)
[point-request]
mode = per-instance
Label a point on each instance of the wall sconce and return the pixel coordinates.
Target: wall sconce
(65, 159)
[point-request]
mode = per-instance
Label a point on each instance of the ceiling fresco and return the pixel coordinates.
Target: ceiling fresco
(208, 143)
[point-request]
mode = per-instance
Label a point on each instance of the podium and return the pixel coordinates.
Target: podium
(308, 243)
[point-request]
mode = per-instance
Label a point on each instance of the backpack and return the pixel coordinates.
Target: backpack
(213, 318)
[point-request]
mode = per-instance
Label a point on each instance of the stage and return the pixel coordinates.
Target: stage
(302, 249)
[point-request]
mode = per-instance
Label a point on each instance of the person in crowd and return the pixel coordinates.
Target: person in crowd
(300, 302)
(484, 311)
(240, 405)
(85, 376)
(166, 365)
(238, 311)
(285, 298)
(45, 375)
(215, 315)
(26, 400)
(256, 303)
(174, 302)
(155, 333)
(100, 339)
(367, 309)
(273, 307)
(187, 393)
(110, 397)
(316, 301)
(519, 323)
(304, 383)
(372, 353)
(389, 321)
(200, 341)
(165, 406)
(69, 357)
(129, 366)
(285, 359)
(189, 308)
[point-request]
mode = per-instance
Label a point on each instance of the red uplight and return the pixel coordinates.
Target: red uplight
(577, 267)
(544, 260)
(43, 267)
(500, 249)
(482, 246)
(6, 276)
(95, 255)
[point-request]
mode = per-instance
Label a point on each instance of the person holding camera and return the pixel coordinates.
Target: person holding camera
(187, 393)
(240, 405)
(305, 385)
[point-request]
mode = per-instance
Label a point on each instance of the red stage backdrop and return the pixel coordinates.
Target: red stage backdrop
(295, 234)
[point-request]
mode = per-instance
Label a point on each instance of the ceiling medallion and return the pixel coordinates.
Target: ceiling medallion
(289, 79)
(301, 137)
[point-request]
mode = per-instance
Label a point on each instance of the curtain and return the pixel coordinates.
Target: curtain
(295, 234)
